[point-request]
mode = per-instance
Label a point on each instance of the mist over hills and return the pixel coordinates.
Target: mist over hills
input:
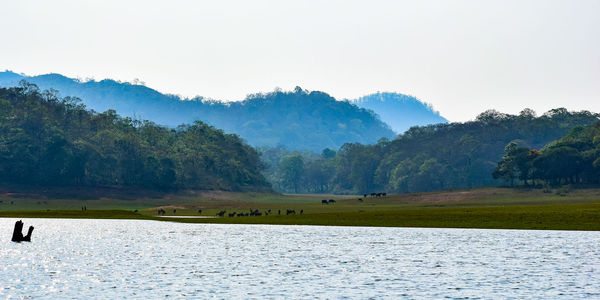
(400, 111)
(298, 119)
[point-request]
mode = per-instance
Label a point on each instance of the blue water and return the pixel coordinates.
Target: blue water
(116, 259)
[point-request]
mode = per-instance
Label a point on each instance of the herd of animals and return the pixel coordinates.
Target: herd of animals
(269, 212)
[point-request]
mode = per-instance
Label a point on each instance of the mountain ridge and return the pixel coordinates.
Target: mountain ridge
(277, 118)
(400, 111)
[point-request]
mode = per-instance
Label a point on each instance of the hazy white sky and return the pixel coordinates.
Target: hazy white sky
(461, 56)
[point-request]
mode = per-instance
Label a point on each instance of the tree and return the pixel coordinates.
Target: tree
(507, 168)
(291, 169)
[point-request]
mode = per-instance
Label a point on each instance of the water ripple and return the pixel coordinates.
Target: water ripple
(107, 259)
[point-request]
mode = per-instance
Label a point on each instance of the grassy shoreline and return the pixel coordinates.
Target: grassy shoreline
(491, 208)
(545, 217)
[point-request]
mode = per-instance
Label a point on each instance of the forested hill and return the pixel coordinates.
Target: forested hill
(400, 111)
(572, 159)
(297, 120)
(426, 158)
(51, 141)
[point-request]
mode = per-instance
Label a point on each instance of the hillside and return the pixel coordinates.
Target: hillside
(572, 159)
(297, 120)
(46, 141)
(400, 111)
(427, 158)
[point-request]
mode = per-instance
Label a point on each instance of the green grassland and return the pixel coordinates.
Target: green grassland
(477, 208)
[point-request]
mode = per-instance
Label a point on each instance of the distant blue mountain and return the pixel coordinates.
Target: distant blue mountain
(400, 111)
(126, 98)
(297, 119)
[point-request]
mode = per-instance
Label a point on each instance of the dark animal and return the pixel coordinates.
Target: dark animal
(221, 213)
(365, 195)
(331, 201)
(232, 214)
(301, 211)
(18, 234)
(199, 211)
(373, 194)
(384, 194)
(360, 200)
(290, 212)
(324, 202)
(279, 212)
(174, 211)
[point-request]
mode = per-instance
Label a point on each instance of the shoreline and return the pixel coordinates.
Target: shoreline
(580, 217)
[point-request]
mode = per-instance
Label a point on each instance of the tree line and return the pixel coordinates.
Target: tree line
(572, 159)
(424, 158)
(46, 140)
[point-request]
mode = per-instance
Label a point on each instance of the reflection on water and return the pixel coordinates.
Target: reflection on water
(111, 259)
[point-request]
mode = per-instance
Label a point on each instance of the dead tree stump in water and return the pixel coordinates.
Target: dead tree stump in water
(18, 233)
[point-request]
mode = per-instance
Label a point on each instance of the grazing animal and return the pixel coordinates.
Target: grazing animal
(174, 211)
(373, 194)
(365, 195)
(221, 213)
(331, 201)
(360, 200)
(279, 211)
(290, 212)
(301, 211)
(199, 211)
(232, 214)
(384, 194)
(324, 202)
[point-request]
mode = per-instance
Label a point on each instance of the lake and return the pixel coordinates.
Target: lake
(111, 259)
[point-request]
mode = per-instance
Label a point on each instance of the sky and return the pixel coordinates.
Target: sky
(463, 57)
